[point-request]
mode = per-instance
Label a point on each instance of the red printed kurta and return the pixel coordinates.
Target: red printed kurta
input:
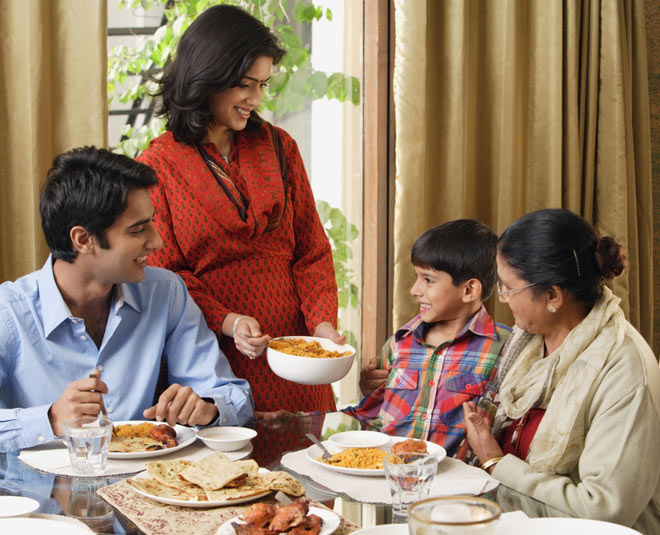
(282, 277)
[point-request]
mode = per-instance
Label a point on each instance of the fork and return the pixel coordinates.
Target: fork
(326, 453)
(103, 411)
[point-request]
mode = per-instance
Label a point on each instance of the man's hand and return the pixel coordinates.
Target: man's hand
(371, 377)
(77, 400)
(326, 330)
(180, 404)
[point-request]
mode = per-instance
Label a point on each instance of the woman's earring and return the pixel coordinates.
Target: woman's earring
(552, 309)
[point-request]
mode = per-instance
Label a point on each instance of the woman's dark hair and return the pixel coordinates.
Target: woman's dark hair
(87, 187)
(464, 248)
(557, 247)
(214, 54)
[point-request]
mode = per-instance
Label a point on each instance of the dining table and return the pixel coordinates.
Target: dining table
(105, 505)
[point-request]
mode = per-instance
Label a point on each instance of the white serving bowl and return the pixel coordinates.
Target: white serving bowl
(226, 438)
(359, 439)
(310, 370)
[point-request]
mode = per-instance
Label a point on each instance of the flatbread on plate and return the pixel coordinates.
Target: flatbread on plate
(134, 444)
(212, 472)
(235, 493)
(156, 488)
(278, 481)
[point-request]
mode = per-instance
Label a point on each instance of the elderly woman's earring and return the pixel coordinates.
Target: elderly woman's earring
(552, 309)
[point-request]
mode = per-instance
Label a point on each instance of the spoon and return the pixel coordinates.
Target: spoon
(326, 453)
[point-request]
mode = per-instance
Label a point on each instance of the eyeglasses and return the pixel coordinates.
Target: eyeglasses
(505, 292)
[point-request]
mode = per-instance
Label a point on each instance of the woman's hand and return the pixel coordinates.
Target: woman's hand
(248, 338)
(326, 330)
(478, 433)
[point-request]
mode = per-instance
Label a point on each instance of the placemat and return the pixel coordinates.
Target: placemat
(53, 458)
(155, 518)
(453, 477)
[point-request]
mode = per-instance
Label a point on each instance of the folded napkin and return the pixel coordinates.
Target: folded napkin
(53, 458)
(453, 477)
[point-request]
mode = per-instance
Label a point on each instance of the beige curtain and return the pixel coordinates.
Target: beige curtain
(510, 106)
(53, 98)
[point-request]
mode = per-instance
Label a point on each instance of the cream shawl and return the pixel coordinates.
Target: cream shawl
(561, 383)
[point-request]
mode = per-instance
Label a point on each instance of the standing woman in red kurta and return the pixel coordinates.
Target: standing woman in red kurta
(234, 206)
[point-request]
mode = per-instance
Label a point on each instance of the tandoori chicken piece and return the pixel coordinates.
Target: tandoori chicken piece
(409, 446)
(165, 434)
(311, 525)
(259, 514)
(288, 516)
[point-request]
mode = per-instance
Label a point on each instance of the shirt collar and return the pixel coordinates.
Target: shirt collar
(481, 324)
(54, 309)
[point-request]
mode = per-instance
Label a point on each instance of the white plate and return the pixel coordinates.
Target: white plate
(564, 526)
(17, 506)
(197, 505)
(384, 529)
(314, 452)
(330, 522)
(42, 526)
(184, 437)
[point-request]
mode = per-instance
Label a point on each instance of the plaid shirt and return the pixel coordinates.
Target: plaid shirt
(423, 395)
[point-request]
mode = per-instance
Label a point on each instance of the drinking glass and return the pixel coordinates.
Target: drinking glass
(88, 507)
(88, 440)
(410, 476)
(453, 515)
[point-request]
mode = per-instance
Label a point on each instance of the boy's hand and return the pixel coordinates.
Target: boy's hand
(371, 377)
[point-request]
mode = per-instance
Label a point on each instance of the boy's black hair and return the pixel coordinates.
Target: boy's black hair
(87, 187)
(464, 248)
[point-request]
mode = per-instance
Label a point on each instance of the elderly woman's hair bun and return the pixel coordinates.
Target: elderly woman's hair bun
(610, 257)
(555, 247)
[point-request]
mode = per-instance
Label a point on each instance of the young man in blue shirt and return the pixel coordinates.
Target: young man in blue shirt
(96, 308)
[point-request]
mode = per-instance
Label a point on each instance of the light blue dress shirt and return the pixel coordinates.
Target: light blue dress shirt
(43, 348)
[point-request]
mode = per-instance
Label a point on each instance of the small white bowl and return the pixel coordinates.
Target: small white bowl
(359, 439)
(311, 370)
(226, 438)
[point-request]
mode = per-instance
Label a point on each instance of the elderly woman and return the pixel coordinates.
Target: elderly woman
(578, 423)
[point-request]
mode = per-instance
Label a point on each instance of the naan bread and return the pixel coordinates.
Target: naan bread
(167, 473)
(212, 472)
(278, 481)
(227, 494)
(156, 488)
(134, 444)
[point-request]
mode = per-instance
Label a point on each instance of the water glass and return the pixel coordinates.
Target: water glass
(453, 515)
(88, 440)
(410, 476)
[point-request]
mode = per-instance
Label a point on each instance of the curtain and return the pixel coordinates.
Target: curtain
(53, 98)
(507, 107)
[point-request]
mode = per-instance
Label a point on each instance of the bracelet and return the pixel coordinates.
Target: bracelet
(492, 462)
(233, 329)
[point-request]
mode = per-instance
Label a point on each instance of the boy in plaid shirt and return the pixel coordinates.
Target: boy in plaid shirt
(445, 355)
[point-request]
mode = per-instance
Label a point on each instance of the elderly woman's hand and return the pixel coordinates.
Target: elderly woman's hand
(479, 435)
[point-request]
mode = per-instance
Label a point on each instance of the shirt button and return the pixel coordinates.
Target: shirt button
(431, 382)
(396, 380)
(83, 337)
(468, 386)
(40, 438)
(109, 409)
(424, 416)
(224, 420)
(100, 367)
